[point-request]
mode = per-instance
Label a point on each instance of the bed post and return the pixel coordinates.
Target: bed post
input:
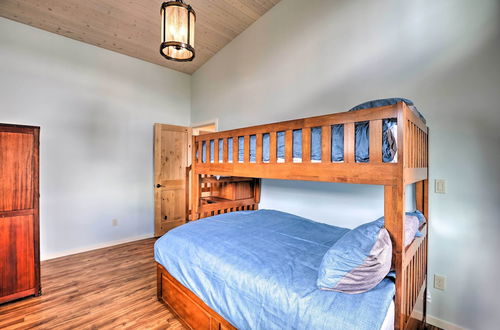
(195, 196)
(410, 263)
(394, 197)
(422, 204)
(394, 209)
(195, 180)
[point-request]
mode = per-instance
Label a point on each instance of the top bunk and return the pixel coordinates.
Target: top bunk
(382, 145)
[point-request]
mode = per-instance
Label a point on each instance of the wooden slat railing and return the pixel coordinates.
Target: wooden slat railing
(224, 210)
(415, 136)
(211, 160)
(416, 144)
(415, 270)
(416, 149)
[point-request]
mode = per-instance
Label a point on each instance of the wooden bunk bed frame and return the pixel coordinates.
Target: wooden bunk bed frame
(239, 189)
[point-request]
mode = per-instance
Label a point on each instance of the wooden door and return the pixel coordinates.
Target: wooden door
(172, 156)
(19, 231)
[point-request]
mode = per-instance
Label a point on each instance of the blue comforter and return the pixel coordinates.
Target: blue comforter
(258, 270)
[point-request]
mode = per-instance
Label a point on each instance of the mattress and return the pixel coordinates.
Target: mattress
(388, 323)
(258, 270)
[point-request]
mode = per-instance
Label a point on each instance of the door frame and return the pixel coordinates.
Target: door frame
(214, 122)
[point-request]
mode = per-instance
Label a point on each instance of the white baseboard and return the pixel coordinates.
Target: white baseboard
(442, 323)
(437, 322)
(93, 247)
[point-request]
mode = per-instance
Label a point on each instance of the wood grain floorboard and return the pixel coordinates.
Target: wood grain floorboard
(110, 288)
(431, 327)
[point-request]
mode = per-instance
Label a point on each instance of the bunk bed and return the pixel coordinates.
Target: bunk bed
(308, 149)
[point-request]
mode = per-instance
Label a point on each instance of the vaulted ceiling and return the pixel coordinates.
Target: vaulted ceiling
(132, 27)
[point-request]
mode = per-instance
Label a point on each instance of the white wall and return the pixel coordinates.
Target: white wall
(96, 110)
(322, 56)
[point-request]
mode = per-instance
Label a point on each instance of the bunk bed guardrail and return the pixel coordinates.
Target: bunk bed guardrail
(413, 133)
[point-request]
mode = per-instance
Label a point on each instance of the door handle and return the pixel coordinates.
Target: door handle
(158, 185)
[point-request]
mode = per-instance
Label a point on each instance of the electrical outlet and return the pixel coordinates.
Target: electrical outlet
(114, 222)
(439, 282)
(440, 186)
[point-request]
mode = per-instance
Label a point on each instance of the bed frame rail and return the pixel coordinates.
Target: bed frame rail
(213, 196)
(350, 171)
(191, 310)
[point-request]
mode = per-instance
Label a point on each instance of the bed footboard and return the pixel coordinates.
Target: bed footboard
(191, 310)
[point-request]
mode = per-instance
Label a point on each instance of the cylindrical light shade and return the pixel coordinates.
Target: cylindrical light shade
(177, 31)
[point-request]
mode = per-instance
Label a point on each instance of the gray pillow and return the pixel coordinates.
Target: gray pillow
(411, 228)
(358, 261)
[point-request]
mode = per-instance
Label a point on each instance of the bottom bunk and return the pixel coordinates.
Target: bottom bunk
(259, 269)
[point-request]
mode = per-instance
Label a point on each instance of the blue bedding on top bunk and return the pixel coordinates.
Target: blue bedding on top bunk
(258, 270)
(362, 139)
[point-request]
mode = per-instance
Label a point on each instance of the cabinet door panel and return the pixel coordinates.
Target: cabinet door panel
(16, 171)
(17, 271)
(173, 208)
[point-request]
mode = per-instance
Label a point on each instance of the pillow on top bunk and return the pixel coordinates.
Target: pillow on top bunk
(388, 101)
(358, 261)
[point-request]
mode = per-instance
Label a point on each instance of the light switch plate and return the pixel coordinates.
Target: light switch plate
(439, 282)
(440, 186)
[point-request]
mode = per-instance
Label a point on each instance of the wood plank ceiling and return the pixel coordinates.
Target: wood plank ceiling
(132, 27)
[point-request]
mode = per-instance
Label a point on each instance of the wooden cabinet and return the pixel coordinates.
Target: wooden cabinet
(19, 212)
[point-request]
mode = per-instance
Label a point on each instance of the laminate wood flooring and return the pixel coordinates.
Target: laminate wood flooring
(110, 288)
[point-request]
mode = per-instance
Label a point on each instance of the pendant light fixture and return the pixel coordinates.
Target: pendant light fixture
(177, 31)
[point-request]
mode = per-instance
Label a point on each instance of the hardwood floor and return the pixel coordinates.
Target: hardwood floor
(108, 288)
(431, 327)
